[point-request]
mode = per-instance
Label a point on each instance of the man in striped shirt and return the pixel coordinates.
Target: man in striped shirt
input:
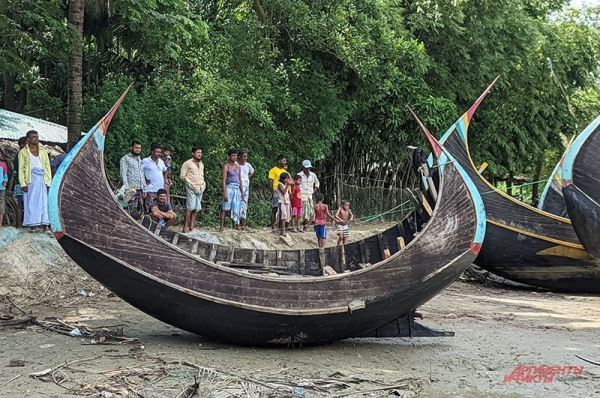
(133, 179)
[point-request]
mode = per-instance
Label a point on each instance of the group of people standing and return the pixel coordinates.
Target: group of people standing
(293, 203)
(32, 174)
(293, 198)
(147, 182)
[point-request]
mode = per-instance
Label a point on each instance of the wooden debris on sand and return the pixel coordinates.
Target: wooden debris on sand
(158, 377)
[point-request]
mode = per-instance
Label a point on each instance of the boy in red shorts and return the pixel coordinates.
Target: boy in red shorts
(321, 215)
(296, 204)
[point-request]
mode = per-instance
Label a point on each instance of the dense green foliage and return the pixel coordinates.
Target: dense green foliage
(324, 80)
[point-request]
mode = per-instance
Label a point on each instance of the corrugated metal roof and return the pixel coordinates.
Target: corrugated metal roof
(15, 125)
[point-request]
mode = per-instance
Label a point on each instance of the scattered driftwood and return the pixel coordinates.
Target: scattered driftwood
(158, 377)
(16, 363)
(477, 274)
(190, 390)
(15, 323)
(588, 360)
(10, 380)
(96, 336)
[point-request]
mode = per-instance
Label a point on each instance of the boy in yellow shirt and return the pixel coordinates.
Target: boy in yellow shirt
(274, 175)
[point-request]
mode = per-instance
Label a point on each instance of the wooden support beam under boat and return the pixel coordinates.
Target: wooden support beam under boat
(343, 257)
(400, 241)
(195, 247)
(213, 252)
(327, 270)
(322, 257)
(425, 203)
(302, 261)
(364, 255)
(382, 247)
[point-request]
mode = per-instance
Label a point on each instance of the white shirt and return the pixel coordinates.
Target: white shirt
(35, 161)
(247, 169)
(153, 171)
(308, 185)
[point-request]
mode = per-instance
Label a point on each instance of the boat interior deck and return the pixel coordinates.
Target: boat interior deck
(301, 262)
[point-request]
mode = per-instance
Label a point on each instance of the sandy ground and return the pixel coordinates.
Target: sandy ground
(261, 238)
(496, 330)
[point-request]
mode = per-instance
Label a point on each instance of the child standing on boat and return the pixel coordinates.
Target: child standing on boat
(320, 217)
(284, 212)
(342, 217)
(296, 204)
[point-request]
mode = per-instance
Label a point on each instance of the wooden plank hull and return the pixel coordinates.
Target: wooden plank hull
(585, 215)
(580, 180)
(228, 323)
(551, 200)
(523, 243)
(536, 262)
(231, 305)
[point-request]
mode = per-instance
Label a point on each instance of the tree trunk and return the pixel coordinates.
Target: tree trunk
(9, 93)
(509, 184)
(535, 190)
(75, 72)
(260, 11)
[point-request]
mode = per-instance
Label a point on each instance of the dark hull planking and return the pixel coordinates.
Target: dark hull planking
(299, 262)
(585, 215)
(523, 243)
(554, 202)
(526, 245)
(230, 305)
(580, 174)
(536, 262)
(228, 323)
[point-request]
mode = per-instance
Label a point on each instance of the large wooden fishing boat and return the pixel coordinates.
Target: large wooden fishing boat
(523, 243)
(551, 200)
(200, 294)
(579, 178)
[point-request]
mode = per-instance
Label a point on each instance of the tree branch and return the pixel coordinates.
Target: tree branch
(260, 11)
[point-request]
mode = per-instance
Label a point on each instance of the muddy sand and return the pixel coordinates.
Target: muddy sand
(497, 329)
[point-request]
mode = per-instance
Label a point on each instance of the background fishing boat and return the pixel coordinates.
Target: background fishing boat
(523, 243)
(579, 178)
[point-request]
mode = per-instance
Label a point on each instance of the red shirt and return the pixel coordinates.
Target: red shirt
(296, 198)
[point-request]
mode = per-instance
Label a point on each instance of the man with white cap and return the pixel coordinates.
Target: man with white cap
(310, 184)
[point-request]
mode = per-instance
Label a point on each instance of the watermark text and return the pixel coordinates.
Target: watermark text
(540, 373)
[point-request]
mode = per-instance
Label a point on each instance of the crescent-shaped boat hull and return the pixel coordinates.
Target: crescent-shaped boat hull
(578, 174)
(523, 243)
(232, 324)
(231, 305)
(585, 216)
(536, 262)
